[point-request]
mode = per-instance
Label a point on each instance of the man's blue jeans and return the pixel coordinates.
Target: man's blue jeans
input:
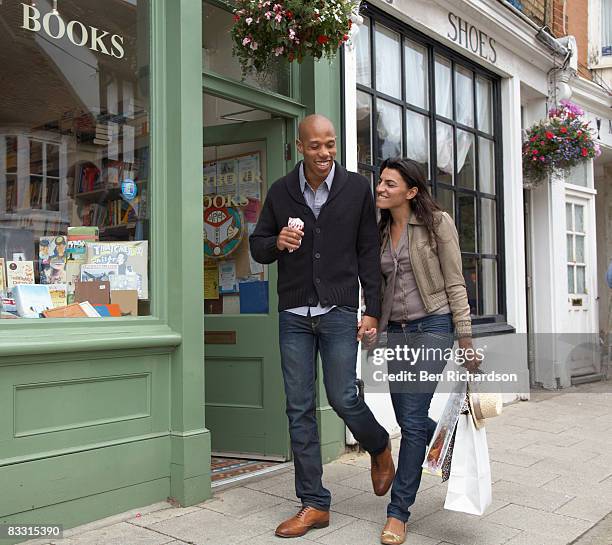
(334, 336)
(411, 403)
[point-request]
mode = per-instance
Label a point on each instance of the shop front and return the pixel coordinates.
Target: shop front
(451, 86)
(137, 333)
(101, 376)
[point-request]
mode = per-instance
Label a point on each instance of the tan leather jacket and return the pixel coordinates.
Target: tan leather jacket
(437, 270)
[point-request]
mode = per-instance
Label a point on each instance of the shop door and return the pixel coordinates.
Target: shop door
(584, 357)
(245, 405)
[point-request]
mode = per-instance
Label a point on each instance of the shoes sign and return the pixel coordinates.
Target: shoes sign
(79, 34)
(472, 38)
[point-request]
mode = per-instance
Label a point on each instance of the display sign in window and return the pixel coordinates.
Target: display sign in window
(74, 159)
(234, 283)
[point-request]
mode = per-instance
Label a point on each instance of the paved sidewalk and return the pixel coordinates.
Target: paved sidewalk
(552, 471)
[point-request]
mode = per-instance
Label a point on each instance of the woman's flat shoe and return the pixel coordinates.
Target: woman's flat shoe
(391, 538)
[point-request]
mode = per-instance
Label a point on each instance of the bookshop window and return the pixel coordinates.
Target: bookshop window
(443, 113)
(74, 159)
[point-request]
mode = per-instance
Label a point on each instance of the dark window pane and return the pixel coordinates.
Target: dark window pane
(488, 226)
(364, 128)
(11, 153)
(464, 96)
(415, 60)
(362, 53)
(486, 163)
(445, 164)
(466, 163)
(417, 141)
(470, 274)
(489, 286)
(36, 157)
(446, 200)
(444, 105)
(389, 129)
(52, 160)
(467, 223)
(388, 62)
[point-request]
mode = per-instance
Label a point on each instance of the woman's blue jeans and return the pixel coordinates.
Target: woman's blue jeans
(411, 401)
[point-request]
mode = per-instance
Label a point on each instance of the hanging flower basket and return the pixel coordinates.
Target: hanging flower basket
(265, 31)
(562, 141)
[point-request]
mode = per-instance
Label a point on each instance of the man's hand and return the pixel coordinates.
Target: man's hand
(367, 326)
(472, 359)
(289, 239)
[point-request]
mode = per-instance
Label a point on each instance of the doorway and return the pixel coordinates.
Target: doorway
(244, 152)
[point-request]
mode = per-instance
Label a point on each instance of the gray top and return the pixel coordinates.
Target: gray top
(406, 304)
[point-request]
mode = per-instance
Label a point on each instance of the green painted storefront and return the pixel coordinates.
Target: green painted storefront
(97, 417)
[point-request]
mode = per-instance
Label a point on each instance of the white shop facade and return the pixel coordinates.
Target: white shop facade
(452, 85)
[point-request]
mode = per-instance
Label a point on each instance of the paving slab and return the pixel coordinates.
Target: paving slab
(539, 522)
(521, 475)
(206, 527)
(586, 509)
(530, 496)
(240, 502)
(120, 534)
(600, 534)
(462, 529)
(365, 533)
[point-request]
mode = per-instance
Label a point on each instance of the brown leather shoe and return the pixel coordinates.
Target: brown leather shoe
(382, 471)
(306, 519)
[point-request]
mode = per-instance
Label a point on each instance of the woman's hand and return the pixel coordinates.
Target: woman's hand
(367, 331)
(472, 359)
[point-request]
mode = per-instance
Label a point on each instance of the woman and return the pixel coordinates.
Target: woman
(425, 304)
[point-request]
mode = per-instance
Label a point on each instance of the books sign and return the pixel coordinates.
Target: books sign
(80, 35)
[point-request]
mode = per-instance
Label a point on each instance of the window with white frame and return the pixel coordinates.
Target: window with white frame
(576, 238)
(606, 27)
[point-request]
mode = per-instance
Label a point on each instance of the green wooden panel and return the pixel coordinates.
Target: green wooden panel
(54, 480)
(246, 411)
(46, 407)
(245, 377)
(76, 512)
(70, 417)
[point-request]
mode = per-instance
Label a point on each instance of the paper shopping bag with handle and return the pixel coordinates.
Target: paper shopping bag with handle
(469, 486)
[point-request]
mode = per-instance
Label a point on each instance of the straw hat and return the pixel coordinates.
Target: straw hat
(483, 406)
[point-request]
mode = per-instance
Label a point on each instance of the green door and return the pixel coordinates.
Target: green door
(245, 404)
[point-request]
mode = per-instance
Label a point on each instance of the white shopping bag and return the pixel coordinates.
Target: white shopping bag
(469, 486)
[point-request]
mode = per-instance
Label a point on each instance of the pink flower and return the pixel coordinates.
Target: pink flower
(279, 17)
(291, 34)
(254, 46)
(248, 20)
(278, 51)
(246, 41)
(269, 15)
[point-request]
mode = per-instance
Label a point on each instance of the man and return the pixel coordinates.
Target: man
(319, 267)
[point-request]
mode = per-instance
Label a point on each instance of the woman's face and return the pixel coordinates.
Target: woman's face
(392, 191)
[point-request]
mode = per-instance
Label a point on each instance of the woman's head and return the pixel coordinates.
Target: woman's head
(402, 184)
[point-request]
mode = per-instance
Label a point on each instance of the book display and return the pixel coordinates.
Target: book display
(74, 222)
(234, 283)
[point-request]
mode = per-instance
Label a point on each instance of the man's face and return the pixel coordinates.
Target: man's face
(317, 144)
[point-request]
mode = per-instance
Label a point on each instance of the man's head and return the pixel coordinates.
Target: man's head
(317, 143)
